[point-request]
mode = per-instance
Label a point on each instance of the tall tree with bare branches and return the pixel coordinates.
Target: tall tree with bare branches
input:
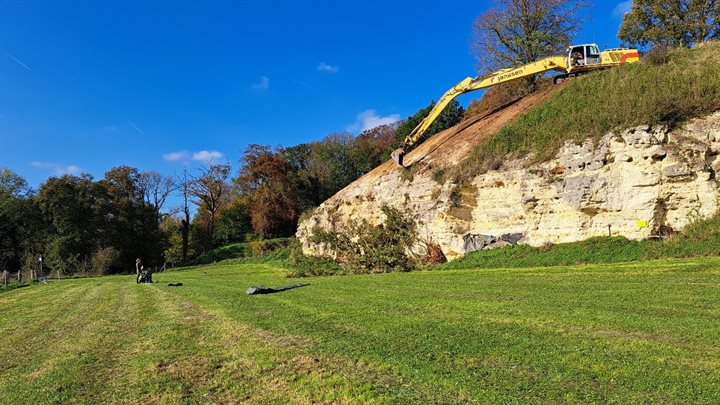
(156, 189)
(184, 183)
(210, 189)
(517, 32)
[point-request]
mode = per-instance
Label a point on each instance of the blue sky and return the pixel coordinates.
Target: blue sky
(85, 86)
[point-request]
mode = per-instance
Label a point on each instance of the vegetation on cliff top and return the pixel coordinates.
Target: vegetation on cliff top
(662, 90)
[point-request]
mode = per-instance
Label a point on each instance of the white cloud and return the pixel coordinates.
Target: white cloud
(370, 119)
(324, 67)
(622, 8)
(262, 85)
(57, 169)
(176, 156)
(207, 156)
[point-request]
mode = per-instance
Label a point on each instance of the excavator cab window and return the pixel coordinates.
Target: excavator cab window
(592, 55)
(577, 56)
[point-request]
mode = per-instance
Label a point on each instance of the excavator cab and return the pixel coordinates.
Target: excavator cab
(583, 55)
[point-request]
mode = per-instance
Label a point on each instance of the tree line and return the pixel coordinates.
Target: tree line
(78, 225)
(83, 225)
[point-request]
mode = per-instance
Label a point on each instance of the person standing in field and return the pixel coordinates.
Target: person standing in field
(138, 266)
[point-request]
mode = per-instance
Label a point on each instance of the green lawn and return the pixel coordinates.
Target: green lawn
(620, 333)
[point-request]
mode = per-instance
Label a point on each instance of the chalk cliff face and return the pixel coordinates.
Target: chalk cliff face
(640, 183)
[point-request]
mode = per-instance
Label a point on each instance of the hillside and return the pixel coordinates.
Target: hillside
(641, 332)
(631, 151)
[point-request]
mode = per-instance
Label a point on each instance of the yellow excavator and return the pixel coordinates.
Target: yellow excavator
(579, 59)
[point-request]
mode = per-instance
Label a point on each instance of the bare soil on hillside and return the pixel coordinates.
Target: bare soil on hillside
(450, 147)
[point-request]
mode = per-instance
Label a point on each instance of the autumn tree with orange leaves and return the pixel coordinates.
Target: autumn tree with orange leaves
(264, 181)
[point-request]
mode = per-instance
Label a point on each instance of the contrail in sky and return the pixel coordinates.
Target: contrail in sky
(133, 125)
(11, 56)
(304, 84)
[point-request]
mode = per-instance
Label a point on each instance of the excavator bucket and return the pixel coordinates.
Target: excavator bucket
(398, 155)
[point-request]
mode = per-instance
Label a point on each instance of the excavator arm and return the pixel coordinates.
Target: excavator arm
(558, 63)
(579, 59)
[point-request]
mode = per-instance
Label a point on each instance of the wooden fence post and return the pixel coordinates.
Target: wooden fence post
(5, 274)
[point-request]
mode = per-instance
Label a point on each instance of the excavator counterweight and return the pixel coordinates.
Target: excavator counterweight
(579, 59)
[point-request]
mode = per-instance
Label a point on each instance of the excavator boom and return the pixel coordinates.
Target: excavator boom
(568, 65)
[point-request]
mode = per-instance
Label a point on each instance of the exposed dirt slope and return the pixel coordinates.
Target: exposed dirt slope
(450, 147)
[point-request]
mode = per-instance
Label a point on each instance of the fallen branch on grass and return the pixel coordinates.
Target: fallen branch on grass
(255, 290)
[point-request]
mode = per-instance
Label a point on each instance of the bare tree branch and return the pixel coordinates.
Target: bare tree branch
(210, 190)
(517, 32)
(156, 188)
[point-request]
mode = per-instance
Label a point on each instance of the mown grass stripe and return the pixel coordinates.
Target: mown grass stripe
(642, 332)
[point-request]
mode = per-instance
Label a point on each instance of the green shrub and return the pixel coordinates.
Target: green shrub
(257, 248)
(103, 259)
(13, 285)
(300, 265)
(700, 238)
(659, 55)
(439, 176)
(364, 248)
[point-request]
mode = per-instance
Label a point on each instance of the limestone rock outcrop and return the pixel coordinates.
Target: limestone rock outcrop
(639, 183)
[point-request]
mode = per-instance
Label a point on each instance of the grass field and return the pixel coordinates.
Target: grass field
(639, 332)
